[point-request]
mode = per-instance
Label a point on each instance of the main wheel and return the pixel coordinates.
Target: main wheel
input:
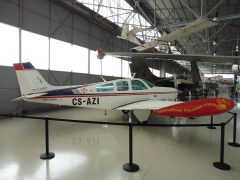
(125, 111)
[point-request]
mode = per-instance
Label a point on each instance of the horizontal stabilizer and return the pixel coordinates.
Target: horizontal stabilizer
(29, 96)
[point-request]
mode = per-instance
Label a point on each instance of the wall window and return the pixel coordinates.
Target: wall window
(125, 69)
(111, 66)
(116, 66)
(67, 57)
(9, 45)
(35, 49)
(107, 66)
(95, 63)
(156, 73)
(168, 75)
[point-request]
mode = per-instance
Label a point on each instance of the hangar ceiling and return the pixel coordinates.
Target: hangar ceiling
(169, 15)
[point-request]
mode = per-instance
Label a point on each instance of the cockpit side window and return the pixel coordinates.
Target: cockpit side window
(122, 86)
(138, 85)
(105, 87)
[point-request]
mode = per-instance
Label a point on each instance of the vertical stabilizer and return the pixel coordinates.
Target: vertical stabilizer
(141, 70)
(195, 72)
(30, 80)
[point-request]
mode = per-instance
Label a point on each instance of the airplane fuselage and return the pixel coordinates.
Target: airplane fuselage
(105, 95)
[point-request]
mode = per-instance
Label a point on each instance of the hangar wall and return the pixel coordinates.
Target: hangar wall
(49, 18)
(9, 88)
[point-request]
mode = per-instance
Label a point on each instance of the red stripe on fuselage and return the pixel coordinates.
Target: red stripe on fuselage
(103, 94)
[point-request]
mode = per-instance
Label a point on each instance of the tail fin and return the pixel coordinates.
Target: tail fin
(30, 80)
(141, 70)
(196, 78)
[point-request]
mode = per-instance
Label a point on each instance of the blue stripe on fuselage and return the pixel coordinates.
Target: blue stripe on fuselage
(60, 92)
(27, 65)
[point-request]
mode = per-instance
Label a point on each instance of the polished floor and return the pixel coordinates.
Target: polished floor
(89, 151)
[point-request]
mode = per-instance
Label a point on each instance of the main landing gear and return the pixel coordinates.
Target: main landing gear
(140, 116)
(125, 111)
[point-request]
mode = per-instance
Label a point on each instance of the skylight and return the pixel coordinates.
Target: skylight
(120, 13)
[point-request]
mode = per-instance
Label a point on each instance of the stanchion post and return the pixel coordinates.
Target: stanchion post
(130, 166)
(234, 143)
(221, 165)
(211, 125)
(47, 155)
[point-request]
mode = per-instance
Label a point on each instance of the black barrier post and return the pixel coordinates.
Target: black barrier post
(47, 155)
(130, 167)
(211, 125)
(221, 165)
(234, 143)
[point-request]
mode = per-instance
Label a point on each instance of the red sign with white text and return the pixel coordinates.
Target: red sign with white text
(196, 108)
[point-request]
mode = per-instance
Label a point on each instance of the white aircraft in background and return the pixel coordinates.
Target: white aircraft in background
(193, 27)
(122, 94)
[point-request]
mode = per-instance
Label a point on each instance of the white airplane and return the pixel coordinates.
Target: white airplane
(123, 94)
(193, 27)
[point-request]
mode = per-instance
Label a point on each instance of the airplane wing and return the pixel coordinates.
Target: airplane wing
(185, 57)
(142, 109)
(148, 104)
(196, 26)
(194, 108)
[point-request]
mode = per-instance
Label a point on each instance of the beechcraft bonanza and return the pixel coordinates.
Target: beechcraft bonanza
(133, 94)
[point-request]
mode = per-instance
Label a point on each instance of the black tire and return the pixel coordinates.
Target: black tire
(125, 111)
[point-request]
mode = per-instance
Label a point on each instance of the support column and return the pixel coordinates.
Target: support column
(162, 69)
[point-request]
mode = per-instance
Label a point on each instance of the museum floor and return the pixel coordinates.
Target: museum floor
(90, 151)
